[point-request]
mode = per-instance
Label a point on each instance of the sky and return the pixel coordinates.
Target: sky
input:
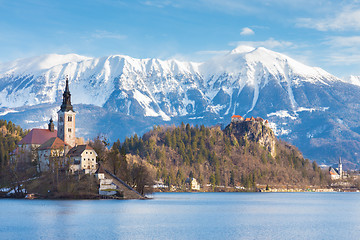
(321, 33)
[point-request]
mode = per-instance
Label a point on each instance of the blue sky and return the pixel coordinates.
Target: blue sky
(319, 33)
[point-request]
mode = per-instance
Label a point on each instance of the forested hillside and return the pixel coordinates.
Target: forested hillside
(243, 154)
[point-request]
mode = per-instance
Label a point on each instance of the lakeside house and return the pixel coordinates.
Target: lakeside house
(192, 184)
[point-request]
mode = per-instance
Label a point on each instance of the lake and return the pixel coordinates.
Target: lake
(187, 216)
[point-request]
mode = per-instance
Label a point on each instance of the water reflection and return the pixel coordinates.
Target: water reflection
(187, 216)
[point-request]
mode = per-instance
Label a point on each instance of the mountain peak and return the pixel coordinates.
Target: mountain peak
(242, 49)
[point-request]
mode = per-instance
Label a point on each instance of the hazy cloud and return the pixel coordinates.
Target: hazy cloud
(347, 19)
(343, 59)
(105, 34)
(160, 3)
(269, 43)
(246, 31)
(212, 52)
(344, 50)
(341, 41)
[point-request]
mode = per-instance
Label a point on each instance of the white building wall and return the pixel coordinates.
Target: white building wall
(88, 161)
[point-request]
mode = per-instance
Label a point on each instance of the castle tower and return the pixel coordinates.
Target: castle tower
(66, 119)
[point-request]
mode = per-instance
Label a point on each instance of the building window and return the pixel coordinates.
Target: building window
(69, 118)
(90, 152)
(93, 159)
(61, 119)
(86, 152)
(92, 165)
(69, 129)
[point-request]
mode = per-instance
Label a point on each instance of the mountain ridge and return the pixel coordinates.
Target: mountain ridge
(246, 81)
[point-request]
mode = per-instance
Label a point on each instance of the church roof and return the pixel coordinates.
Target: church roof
(53, 143)
(334, 171)
(236, 116)
(37, 136)
(78, 150)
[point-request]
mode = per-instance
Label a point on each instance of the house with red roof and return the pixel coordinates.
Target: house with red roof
(37, 136)
(27, 147)
(52, 154)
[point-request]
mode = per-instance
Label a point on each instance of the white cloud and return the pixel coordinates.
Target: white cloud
(343, 50)
(347, 19)
(160, 4)
(269, 43)
(343, 59)
(247, 31)
(100, 34)
(341, 41)
(212, 52)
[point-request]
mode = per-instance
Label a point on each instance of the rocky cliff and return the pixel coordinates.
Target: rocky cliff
(255, 131)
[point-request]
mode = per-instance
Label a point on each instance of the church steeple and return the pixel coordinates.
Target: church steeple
(66, 118)
(340, 168)
(66, 104)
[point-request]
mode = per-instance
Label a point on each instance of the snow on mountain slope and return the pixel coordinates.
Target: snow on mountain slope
(114, 79)
(41, 80)
(353, 80)
(305, 105)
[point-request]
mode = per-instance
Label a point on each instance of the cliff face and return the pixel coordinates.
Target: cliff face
(254, 131)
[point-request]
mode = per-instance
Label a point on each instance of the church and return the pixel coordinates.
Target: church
(51, 148)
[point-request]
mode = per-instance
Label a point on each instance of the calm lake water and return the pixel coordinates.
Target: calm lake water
(187, 216)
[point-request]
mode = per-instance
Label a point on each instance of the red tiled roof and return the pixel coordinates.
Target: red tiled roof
(236, 116)
(38, 136)
(53, 143)
(247, 119)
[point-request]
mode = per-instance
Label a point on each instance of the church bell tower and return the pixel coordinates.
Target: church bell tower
(66, 118)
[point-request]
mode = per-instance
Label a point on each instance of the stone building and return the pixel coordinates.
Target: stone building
(51, 154)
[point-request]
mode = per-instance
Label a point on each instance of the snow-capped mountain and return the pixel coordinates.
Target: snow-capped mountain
(353, 80)
(119, 95)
